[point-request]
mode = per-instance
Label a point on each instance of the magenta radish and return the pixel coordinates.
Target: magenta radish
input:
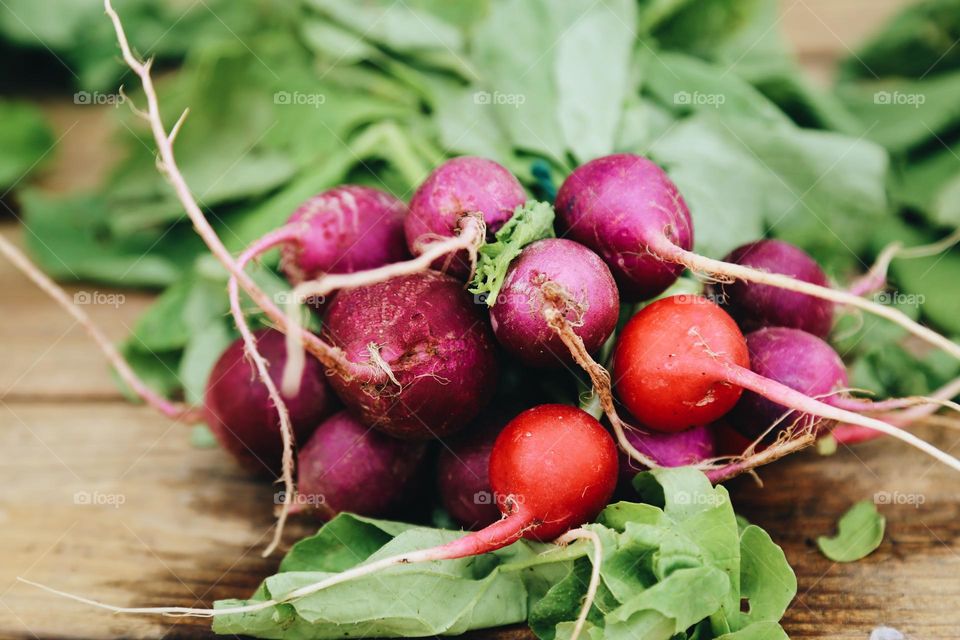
(682, 361)
(463, 472)
(240, 414)
(678, 449)
(797, 359)
(615, 205)
(628, 210)
(434, 341)
(457, 187)
(347, 466)
(568, 273)
(755, 306)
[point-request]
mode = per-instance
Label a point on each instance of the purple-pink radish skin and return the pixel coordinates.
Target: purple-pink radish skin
(463, 472)
(517, 316)
(755, 306)
(458, 186)
(238, 407)
(791, 357)
(667, 449)
(345, 229)
(614, 205)
(436, 342)
(346, 466)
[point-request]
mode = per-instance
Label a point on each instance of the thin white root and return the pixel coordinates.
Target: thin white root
(174, 410)
(591, 595)
(599, 377)
(472, 236)
(664, 248)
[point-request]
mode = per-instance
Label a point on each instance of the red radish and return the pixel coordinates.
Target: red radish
(797, 359)
(457, 187)
(347, 466)
(463, 473)
(755, 306)
(628, 210)
(239, 411)
(342, 230)
(682, 361)
(434, 341)
(566, 271)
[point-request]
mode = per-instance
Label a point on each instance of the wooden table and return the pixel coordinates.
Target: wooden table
(107, 499)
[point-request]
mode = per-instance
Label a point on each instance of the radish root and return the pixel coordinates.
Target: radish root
(173, 410)
(472, 236)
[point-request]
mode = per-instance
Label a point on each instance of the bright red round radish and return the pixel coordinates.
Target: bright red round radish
(792, 357)
(435, 341)
(463, 472)
(238, 408)
(459, 186)
(657, 361)
(346, 466)
(558, 268)
(755, 306)
(343, 230)
(615, 205)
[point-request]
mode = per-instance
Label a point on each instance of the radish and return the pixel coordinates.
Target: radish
(240, 413)
(459, 186)
(568, 272)
(434, 341)
(678, 449)
(628, 210)
(797, 359)
(342, 230)
(346, 466)
(755, 306)
(682, 361)
(553, 467)
(463, 472)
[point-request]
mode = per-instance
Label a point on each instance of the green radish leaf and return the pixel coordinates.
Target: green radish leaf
(530, 222)
(859, 533)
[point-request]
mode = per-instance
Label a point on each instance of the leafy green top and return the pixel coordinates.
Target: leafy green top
(859, 533)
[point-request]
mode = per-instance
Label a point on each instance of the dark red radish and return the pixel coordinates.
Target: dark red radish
(797, 359)
(463, 472)
(347, 466)
(682, 361)
(688, 447)
(239, 412)
(628, 210)
(755, 306)
(343, 230)
(556, 269)
(457, 187)
(436, 343)
(614, 205)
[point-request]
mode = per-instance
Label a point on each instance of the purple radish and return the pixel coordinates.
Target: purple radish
(667, 450)
(792, 357)
(239, 412)
(755, 306)
(436, 343)
(463, 472)
(457, 187)
(346, 466)
(579, 276)
(614, 205)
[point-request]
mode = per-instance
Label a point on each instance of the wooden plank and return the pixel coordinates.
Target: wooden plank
(834, 28)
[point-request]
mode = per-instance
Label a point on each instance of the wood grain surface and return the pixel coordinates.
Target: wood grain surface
(107, 499)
